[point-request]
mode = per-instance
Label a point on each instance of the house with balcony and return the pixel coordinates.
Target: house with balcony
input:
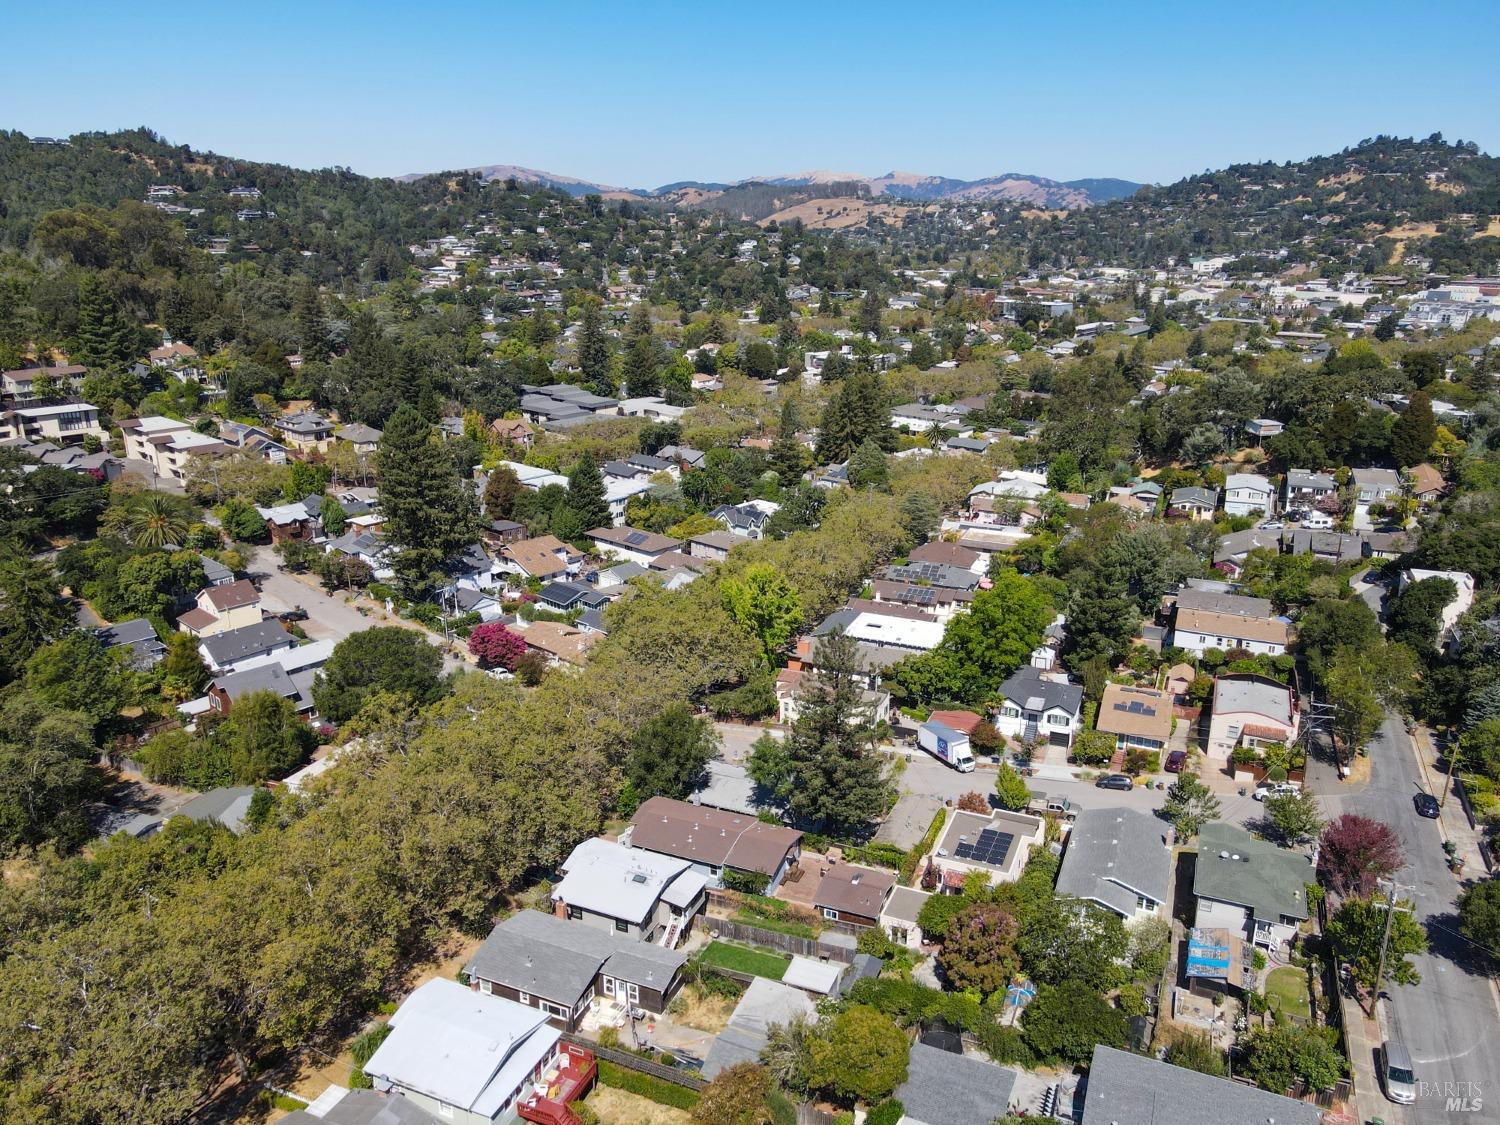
(1303, 488)
(65, 423)
(19, 387)
(561, 968)
(649, 897)
(472, 1059)
(220, 609)
(306, 431)
(1138, 718)
(1252, 888)
(1034, 706)
(1250, 711)
(166, 444)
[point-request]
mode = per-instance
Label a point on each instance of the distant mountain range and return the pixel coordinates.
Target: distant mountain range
(1012, 187)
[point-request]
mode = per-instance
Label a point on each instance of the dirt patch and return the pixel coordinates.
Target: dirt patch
(1413, 230)
(1035, 214)
(1492, 230)
(837, 214)
(619, 1107)
(1341, 180)
(701, 1010)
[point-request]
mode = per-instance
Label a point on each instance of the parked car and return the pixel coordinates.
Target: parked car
(1278, 789)
(296, 613)
(1272, 525)
(1396, 1070)
(1115, 781)
(1175, 761)
(1427, 805)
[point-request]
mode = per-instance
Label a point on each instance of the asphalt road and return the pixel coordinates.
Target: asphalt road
(1449, 1022)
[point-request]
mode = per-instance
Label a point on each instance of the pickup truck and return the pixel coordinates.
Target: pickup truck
(1043, 805)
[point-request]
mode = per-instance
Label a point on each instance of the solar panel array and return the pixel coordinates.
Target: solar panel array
(636, 538)
(990, 847)
(1135, 707)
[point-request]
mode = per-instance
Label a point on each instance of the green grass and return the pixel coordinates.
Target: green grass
(1286, 989)
(647, 1086)
(739, 959)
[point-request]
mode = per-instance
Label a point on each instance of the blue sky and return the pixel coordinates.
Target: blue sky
(640, 94)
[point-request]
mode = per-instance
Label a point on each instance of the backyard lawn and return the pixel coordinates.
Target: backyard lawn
(1286, 989)
(739, 959)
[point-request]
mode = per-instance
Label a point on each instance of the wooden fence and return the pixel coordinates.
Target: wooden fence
(632, 1061)
(815, 948)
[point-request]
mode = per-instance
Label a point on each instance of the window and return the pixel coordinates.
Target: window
(554, 1009)
(486, 987)
(575, 912)
(1010, 712)
(523, 997)
(445, 1110)
(1057, 720)
(830, 912)
(622, 926)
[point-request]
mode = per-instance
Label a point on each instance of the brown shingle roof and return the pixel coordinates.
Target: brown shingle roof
(559, 640)
(232, 595)
(1144, 712)
(537, 557)
(1426, 480)
(1232, 625)
(948, 554)
(711, 836)
(852, 889)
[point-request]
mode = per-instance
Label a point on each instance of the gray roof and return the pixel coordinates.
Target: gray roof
(728, 786)
(247, 641)
(366, 1107)
(227, 806)
(1216, 602)
(558, 960)
(764, 1004)
(942, 1088)
(1207, 497)
(1238, 543)
(1255, 694)
(267, 677)
(1112, 855)
(216, 573)
(133, 632)
(1028, 688)
(1134, 1090)
(1270, 880)
(1302, 478)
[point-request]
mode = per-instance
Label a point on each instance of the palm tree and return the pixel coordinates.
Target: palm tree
(155, 519)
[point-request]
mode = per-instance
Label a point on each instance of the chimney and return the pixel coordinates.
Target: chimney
(560, 908)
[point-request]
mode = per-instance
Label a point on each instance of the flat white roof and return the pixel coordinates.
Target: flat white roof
(51, 411)
(156, 424)
(877, 629)
(821, 977)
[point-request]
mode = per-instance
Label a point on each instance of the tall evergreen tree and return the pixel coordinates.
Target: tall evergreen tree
(641, 369)
(105, 337)
(312, 326)
(593, 350)
(869, 313)
(586, 497)
(786, 455)
(1414, 432)
(430, 513)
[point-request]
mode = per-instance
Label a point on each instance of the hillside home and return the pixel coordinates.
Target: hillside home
(1249, 494)
(1375, 486)
(998, 845)
(1250, 887)
(631, 545)
(306, 430)
(652, 898)
(1262, 428)
(1462, 602)
(167, 444)
(1120, 859)
(1036, 706)
(1303, 488)
(1427, 484)
(364, 439)
(1250, 711)
(462, 1057)
(1138, 718)
(714, 841)
(222, 608)
(18, 388)
(1195, 503)
(63, 424)
(1198, 630)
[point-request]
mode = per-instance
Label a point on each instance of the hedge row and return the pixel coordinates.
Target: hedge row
(647, 1086)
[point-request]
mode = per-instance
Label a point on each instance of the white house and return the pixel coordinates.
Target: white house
(1034, 706)
(1249, 711)
(1249, 494)
(998, 845)
(1198, 630)
(64, 423)
(166, 444)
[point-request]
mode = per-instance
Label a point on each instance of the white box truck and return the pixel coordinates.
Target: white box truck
(946, 744)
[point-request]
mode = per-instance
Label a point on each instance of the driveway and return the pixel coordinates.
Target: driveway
(1450, 1022)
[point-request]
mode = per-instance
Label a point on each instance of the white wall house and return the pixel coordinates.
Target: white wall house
(1198, 630)
(62, 424)
(1249, 494)
(1034, 706)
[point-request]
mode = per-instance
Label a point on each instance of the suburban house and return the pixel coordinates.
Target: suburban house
(1249, 887)
(1138, 718)
(1234, 548)
(1118, 858)
(1303, 488)
(1198, 630)
(714, 545)
(1248, 494)
(301, 520)
(63, 424)
(365, 439)
(462, 1057)
(225, 652)
(1196, 503)
(854, 894)
(998, 844)
(225, 691)
(138, 637)
(1427, 484)
(1125, 1088)
(652, 898)
(1262, 428)
(558, 642)
(1250, 711)
(747, 519)
(1037, 706)
(514, 431)
(717, 843)
(630, 545)
(951, 1088)
(899, 918)
(306, 430)
(1375, 486)
(544, 557)
(952, 555)
(18, 387)
(561, 967)
(875, 705)
(566, 596)
(222, 608)
(166, 444)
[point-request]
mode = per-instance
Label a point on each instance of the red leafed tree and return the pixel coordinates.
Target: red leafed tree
(496, 646)
(975, 803)
(980, 949)
(1355, 852)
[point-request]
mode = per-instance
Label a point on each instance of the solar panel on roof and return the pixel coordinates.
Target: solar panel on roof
(636, 538)
(991, 847)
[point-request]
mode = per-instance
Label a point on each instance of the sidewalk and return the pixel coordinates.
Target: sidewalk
(1363, 1036)
(1452, 822)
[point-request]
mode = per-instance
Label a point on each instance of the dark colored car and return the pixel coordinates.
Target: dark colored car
(1427, 805)
(1175, 761)
(1114, 781)
(297, 614)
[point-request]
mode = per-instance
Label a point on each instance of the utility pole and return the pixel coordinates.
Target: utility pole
(1452, 750)
(1385, 937)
